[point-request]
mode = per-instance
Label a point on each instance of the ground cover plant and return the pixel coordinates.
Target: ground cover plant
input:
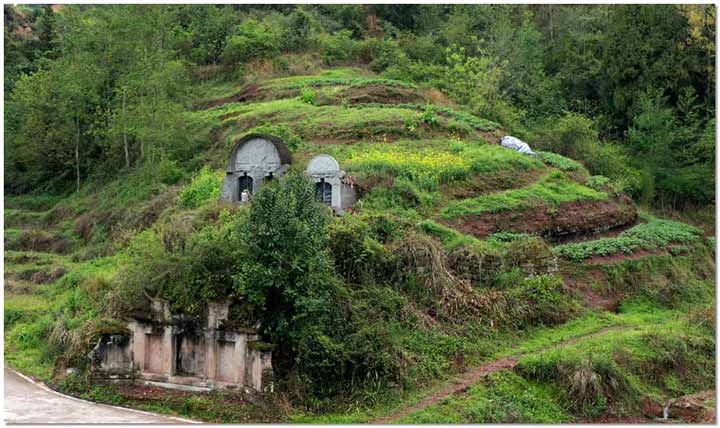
(654, 234)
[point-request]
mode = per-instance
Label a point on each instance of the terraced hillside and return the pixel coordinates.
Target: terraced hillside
(540, 286)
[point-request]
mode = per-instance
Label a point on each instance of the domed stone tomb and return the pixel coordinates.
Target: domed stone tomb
(332, 186)
(254, 159)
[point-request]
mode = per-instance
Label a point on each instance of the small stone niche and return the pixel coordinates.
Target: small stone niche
(254, 159)
(111, 357)
(332, 186)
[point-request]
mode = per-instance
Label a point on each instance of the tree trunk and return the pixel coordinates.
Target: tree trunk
(77, 153)
(125, 143)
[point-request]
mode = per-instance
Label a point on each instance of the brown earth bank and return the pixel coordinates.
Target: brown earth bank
(569, 219)
(698, 408)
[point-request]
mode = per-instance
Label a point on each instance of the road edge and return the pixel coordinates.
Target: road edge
(46, 388)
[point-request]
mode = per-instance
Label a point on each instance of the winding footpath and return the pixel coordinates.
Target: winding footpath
(28, 402)
(461, 383)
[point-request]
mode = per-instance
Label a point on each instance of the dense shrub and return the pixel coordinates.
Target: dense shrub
(358, 256)
(250, 40)
(540, 300)
(203, 187)
(338, 47)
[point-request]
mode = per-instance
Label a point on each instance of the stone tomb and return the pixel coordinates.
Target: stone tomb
(183, 353)
(331, 184)
(254, 159)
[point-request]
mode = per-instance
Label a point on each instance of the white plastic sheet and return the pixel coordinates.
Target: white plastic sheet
(516, 144)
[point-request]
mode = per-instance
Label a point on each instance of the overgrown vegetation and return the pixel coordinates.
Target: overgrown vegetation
(112, 197)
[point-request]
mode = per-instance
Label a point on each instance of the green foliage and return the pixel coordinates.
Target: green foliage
(501, 397)
(204, 186)
(450, 237)
(251, 39)
(608, 373)
(435, 162)
(597, 182)
(308, 96)
(182, 261)
(656, 233)
(561, 162)
(338, 47)
(288, 276)
(359, 257)
(540, 300)
(432, 110)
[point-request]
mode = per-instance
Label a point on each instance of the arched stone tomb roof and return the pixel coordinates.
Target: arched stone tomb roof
(252, 150)
(323, 165)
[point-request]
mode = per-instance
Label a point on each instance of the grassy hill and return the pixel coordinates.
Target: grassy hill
(459, 252)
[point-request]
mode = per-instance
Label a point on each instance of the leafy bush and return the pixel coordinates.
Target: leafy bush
(250, 40)
(540, 300)
(168, 171)
(338, 47)
(597, 182)
(358, 256)
(203, 187)
(308, 96)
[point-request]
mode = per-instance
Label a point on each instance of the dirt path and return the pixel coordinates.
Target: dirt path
(461, 383)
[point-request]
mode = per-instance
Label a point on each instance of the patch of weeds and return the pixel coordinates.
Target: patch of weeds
(561, 162)
(451, 238)
(308, 96)
(204, 186)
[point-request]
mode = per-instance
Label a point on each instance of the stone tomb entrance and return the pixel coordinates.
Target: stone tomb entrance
(255, 158)
(186, 353)
(331, 184)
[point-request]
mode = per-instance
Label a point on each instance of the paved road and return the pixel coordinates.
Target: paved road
(27, 403)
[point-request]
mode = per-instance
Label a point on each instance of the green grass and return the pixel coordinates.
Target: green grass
(655, 233)
(636, 345)
(562, 163)
(502, 397)
(552, 190)
(617, 368)
(450, 237)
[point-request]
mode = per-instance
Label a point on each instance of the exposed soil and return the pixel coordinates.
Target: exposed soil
(594, 298)
(247, 93)
(695, 408)
(461, 383)
(570, 219)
